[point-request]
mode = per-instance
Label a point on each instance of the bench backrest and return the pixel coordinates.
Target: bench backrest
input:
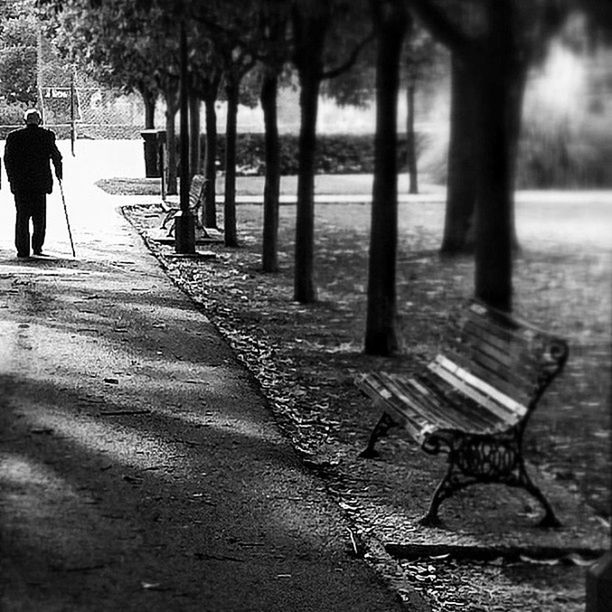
(504, 363)
(196, 191)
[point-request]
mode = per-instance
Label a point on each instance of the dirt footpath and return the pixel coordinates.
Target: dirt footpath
(140, 468)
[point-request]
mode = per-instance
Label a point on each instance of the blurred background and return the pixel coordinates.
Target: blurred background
(566, 137)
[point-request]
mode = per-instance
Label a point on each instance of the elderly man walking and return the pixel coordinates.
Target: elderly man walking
(28, 154)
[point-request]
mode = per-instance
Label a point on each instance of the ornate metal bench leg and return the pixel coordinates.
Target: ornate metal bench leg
(446, 487)
(168, 216)
(199, 223)
(382, 427)
(454, 480)
(550, 519)
(431, 518)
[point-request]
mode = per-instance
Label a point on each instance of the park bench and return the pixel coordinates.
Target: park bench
(196, 196)
(473, 401)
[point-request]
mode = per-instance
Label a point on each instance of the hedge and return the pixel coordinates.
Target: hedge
(335, 154)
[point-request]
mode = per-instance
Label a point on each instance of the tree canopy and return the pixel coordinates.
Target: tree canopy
(18, 56)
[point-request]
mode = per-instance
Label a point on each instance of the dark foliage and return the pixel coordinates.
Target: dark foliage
(336, 154)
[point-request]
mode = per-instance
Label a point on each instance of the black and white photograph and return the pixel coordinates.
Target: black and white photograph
(305, 305)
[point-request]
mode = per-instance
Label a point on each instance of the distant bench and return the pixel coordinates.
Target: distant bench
(473, 402)
(196, 196)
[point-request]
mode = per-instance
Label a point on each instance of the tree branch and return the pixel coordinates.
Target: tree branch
(599, 10)
(438, 23)
(330, 74)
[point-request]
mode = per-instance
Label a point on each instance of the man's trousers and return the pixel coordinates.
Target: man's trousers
(30, 206)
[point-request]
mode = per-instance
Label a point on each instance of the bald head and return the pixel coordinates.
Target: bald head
(32, 117)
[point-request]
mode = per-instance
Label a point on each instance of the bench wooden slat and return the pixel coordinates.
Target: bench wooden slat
(430, 408)
(522, 357)
(456, 412)
(522, 394)
(518, 343)
(506, 354)
(508, 405)
(430, 418)
(490, 334)
(513, 376)
(372, 386)
(461, 385)
(195, 191)
(407, 410)
(510, 355)
(416, 414)
(432, 394)
(505, 327)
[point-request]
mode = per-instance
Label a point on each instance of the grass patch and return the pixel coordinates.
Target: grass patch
(130, 186)
(310, 353)
(347, 184)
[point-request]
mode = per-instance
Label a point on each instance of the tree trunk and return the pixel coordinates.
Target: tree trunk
(458, 235)
(171, 155)
(391, 22)
(517, 93)
(269, 91)
(210, 166)
(499, 84)
(194, 139)
(229, 208)
(411, 145)
(493, 275)
(310, 30)
(304, 288)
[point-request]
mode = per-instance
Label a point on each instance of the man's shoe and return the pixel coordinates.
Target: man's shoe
(22, 255)
(40, 254)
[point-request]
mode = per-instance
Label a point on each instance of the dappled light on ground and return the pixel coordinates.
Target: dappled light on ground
(139, 464)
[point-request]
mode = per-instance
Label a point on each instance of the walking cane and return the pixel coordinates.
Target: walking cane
(66, 213)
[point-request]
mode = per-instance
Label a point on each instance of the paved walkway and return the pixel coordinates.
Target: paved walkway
(140, 468)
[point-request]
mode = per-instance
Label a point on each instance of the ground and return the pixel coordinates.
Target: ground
(305, 357)
(113, 488)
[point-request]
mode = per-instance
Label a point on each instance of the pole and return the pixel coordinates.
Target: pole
(66, 214)
(72, 126)
(184, 221)
(39, 75)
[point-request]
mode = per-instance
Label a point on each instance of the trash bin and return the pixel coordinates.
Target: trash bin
(151, 153)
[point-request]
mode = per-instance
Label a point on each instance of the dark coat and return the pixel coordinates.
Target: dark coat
(27, 158)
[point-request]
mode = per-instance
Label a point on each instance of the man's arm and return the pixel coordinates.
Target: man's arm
(8, 158)
(56, 158)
